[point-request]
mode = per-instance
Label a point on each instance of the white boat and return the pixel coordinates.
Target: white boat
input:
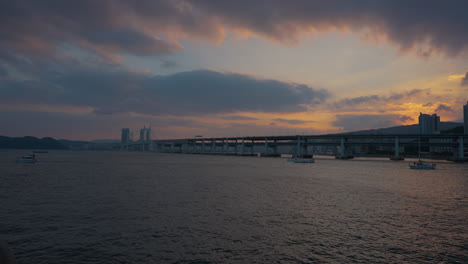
(421, 165)
(301, 160)
(26, 159)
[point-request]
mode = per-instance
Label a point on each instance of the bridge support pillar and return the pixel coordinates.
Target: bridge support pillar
(252, 148)
(270, 149)
(242, 147)
(343, 154)
(150, 145)
(305, 150)
(298, 147)
(397, 150)
(461, 151)
(213, 146)
(275, 148)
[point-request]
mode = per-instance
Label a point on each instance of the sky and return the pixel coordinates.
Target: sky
(84, 70)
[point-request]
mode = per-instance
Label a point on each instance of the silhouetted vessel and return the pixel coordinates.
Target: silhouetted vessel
(421, 165)
(301, 160)
(26, 159)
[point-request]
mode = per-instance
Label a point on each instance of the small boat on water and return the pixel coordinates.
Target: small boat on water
(298, 157)
(26, 159)
(421, 165)
(301, 160)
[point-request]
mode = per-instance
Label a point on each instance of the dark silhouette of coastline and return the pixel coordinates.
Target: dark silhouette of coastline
(30, 143)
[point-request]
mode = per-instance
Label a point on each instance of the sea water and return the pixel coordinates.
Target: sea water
(134, 207)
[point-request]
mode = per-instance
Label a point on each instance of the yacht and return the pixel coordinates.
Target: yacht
(26, 159)
(421, 165)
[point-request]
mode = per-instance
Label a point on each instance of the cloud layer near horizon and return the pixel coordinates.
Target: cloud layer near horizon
(359, 122)
(375, 100)
(151, 27)
(185, 93)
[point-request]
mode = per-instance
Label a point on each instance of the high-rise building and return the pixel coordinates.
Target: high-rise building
(465, 117)
(429, 124)
(142, 134)
(125, 138)
(148, 134)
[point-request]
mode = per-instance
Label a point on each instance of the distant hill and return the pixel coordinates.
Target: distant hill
(105, 141)
(410, 129)
(91, 145)
(75, 144)
(30, 143)
(455, 130)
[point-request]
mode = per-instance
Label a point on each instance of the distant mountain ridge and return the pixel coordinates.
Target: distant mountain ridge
(104, 141)
(74, 144)
(409, 129)
(30, 143)
(102, 144)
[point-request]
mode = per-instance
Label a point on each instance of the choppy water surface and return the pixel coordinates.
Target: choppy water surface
(129, 207)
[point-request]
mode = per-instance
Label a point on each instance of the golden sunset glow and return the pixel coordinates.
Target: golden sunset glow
(455, 77)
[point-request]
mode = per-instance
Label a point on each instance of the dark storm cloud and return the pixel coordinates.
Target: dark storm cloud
(131, 41)
(409, 94)
(185, 93)
(237, 117)
(167, 64)
(154, 26)
(443, 108)
(372, 100)
(357, 100)
(291, 121)
(442, 25)
(464, 81)
(104, 27)
(206, 91)
(3, 71)
(360, 122)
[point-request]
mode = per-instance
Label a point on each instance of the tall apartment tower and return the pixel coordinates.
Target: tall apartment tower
(142, 134)
(125, 138)
(465, 118)
(148, 134)
(429, 124)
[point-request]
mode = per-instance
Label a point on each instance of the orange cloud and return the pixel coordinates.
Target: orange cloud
(455, 77)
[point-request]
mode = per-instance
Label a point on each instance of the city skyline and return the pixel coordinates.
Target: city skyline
(224, 69)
